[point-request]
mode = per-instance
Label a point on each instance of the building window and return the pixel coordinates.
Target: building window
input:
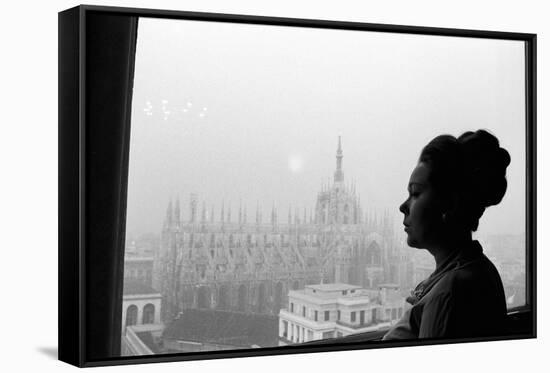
(361, 317)
(338, 314)
(327, 315)
(131, 315)
(353, 316)
(304, 311)
(400, 313)
(394, 313)
(291, 307)
(316, 315)
(344, 292)
(149, 314)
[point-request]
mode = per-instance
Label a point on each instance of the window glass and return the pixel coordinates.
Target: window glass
(243, 132)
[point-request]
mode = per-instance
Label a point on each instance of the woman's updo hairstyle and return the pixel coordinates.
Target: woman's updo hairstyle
(471, 167)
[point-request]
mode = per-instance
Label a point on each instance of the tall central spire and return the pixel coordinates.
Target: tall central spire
(339, 174)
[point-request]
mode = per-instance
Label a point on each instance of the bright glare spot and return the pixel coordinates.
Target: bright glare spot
(295, 163)
(189, 104)
(204, 108)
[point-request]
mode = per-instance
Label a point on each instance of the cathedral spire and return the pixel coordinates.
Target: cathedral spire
(193, 207)
(339, 174)
(168, 220)
(240, 212)
(177, 214)
(273, 214)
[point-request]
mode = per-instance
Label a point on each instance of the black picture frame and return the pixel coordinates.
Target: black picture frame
(96, 63)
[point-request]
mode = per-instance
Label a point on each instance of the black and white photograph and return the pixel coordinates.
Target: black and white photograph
(293, 185)
(275, 186)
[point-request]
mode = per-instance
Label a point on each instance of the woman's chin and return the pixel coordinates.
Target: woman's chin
(412, 242)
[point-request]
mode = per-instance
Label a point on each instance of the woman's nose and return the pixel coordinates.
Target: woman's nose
(403, 207)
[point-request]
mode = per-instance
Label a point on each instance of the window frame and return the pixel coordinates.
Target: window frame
(83, 331)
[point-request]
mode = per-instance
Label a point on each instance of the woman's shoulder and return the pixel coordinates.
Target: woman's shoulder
(475, 275)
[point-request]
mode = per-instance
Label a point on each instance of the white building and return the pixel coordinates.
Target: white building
(141, 324)
(337, 310)
(140, 304)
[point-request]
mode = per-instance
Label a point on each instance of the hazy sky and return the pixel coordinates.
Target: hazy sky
(251, 114)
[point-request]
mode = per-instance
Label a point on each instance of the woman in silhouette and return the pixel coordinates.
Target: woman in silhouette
(455, 180)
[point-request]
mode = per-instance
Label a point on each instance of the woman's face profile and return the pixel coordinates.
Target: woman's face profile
(423, 210)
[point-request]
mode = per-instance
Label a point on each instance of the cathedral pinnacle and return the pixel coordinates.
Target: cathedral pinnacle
(339, 174)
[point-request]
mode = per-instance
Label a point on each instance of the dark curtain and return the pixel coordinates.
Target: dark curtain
(109, 72)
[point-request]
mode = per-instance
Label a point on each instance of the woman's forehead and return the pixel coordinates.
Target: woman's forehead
(420, 174)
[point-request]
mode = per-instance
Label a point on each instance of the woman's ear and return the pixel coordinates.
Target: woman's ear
(451, 209)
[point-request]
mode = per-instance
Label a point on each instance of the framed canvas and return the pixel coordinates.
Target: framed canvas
(235, 186)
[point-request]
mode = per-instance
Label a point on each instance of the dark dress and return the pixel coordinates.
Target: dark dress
(464, 297)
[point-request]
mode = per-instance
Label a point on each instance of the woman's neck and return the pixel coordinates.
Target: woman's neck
(444, 250)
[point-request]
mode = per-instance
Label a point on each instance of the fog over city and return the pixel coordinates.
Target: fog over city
(249, 115)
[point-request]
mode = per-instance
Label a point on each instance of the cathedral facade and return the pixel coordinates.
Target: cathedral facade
(214, 261)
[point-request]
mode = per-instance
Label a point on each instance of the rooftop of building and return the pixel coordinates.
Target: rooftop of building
(149, 341)
(347, 295)
(324, 294)
(332, 287)
(388, 285)
(224, 327)
(135, 287)
(134, 257)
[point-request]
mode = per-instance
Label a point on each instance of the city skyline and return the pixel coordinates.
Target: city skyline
(217, 125)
